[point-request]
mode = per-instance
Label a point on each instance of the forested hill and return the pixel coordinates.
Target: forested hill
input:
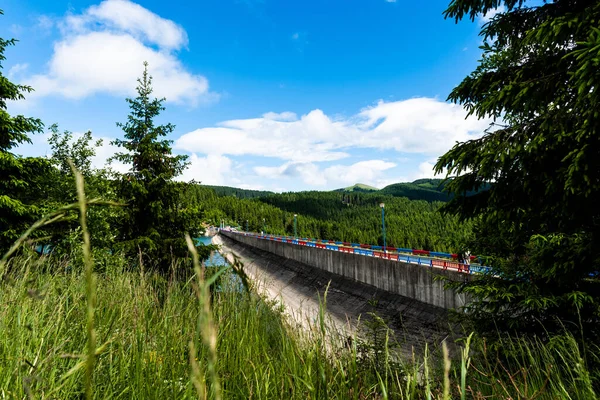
(359, 187)
(347, 216)
(237, 192)
(421, 189)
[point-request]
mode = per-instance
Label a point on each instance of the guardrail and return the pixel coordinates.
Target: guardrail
(419, 257)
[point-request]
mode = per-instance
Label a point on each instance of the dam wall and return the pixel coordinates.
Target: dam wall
(418, 282)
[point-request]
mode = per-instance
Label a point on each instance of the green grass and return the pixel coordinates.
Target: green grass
(144, 325)
(92, 326)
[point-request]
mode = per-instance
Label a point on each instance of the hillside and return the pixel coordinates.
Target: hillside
(237, 192)
(421, 189)
(359, 187)
(352, 217)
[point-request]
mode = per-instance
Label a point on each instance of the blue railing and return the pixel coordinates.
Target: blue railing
(378, 251)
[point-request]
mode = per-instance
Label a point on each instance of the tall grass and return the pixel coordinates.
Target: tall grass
(146, 324)
(166, 338)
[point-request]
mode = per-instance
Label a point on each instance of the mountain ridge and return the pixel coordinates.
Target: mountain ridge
(358, 187)
(420, 189)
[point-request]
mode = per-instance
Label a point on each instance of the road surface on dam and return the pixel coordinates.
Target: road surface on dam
(299, 288)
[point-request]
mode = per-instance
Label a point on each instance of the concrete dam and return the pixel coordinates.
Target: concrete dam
(409, 297)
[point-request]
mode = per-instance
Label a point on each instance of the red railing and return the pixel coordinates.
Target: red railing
(344, 248)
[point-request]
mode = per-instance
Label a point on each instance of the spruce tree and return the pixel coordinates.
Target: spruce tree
(18, 175)
(155, 224)
(532, 182)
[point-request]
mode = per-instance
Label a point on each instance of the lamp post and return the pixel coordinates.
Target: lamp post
(295, 223)
(246, 226)
(382, 205)
(263, 231)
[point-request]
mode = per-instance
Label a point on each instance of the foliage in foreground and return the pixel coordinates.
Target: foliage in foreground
(144, 325)
(539, 222)
(151, 222)
(156, 222)
(19, 181)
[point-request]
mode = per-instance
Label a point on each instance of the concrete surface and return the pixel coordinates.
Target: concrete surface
(300, 287)
(409, 280)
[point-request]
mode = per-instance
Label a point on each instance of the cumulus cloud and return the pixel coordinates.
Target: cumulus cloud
(425, 171)
(40, 146)
(487, 17)
(133, 19)
(421, 125)
(309, 173)
(417, 129)
(16, 70)
(363, 171)
(106, 151)
(210, 170)
(304, 140)
(44, 23)
(284, 116)
(102, 51)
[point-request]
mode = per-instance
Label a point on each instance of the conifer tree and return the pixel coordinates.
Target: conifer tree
(155, 224)
(17, 174)
(534, 178)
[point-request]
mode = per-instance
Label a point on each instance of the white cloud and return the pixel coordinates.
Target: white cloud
(363, 171)
(16, 70)
(16, 29)
(296, 36)
(102, 51)
(133, 19)
(45, 23)
(367, 172)
(422, 125)
(210, 170)
(491, 14)
(390, 1)
(104, 152)
(309, 173)
(40, 146)
(302, 140)
(425, 171)
(109, 62)
(284, 116)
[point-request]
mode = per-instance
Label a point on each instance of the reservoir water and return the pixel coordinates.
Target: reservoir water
(215, 259)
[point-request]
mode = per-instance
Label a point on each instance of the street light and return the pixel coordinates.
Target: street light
(246, 226)
(295, 223)
(382, 205)
(263, 231)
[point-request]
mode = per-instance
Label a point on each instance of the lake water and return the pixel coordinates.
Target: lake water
(234, 282)
(216, 259)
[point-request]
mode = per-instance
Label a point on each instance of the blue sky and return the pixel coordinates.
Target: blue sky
(265, 94)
